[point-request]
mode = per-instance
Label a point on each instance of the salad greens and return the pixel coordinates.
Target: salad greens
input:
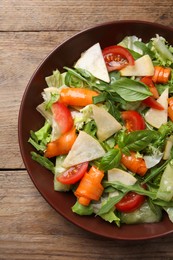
(113, 157)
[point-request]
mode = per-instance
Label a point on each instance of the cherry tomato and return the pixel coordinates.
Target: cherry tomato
(148, 81)
(151, 102)
(117, 57)
(73, 174)
(62, 116)
(133, 120)
(130, 202)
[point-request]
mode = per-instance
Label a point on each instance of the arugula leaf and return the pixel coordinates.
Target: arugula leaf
(130, 90)
(126, 188)
(45, 162)
(110, 160)
(110, 203)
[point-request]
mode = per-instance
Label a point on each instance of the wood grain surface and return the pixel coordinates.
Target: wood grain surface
(29, 228)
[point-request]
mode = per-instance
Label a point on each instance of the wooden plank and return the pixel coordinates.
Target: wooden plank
(38, 15)
(31, 230)
(20, 54)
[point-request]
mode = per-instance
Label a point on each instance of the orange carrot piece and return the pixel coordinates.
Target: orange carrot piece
(134, 164)
(170, 112)
(77, 96)
(170, 101)
(90, 187)
(170, 108)
(62, 145)
(161, 74)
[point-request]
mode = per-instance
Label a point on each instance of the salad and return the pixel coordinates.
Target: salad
(108, 131)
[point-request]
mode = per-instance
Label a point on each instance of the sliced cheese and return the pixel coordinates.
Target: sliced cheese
(119, 175)
(158, 117)
(85, 148)
(92, 60)
(143, 67)
(107, 125)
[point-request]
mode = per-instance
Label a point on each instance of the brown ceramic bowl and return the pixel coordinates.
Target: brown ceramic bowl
(65, 55)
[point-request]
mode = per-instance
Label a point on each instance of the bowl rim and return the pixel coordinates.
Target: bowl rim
(21, 148)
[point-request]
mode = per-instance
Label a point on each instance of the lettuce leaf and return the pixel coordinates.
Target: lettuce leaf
(163, 52)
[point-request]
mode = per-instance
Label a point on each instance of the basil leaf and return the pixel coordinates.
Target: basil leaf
(130, 90)
(138, 140)
(110, 160)
(100, 98)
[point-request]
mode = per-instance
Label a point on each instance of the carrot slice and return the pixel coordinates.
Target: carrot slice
(161, 74)
(134, 164)
(62, 145)
(90, 187)
(77, 96)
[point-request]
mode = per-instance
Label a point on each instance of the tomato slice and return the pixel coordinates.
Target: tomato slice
(130, 202)
(133, 120)
(117, 57)
(62, 116)
(148, 81)
(151, 102)
(73, 174)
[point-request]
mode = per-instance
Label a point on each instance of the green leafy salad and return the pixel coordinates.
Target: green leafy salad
(108, 131)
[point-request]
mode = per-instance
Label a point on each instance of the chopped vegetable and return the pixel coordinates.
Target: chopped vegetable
(157, 117)
(92, 61)
(142, 67)
(170, 108)
(165, 191)
(73, 174)
(62, 145)
(134, 163)
(90, 187)
(130, 202)
(106, 124)
(121, 176)
(117, 57)
(161, 74)
(62, 116)
(77, 96)
(85, 148)
(133, 120)
(149, 82)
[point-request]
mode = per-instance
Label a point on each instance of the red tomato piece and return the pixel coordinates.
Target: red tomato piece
(151, 102)
(117, 57)
(130, 202)
(148, 81)
(73, 174)
(62, 116)
(133, 120)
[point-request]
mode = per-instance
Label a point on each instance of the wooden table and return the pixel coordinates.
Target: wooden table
(29, 30)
